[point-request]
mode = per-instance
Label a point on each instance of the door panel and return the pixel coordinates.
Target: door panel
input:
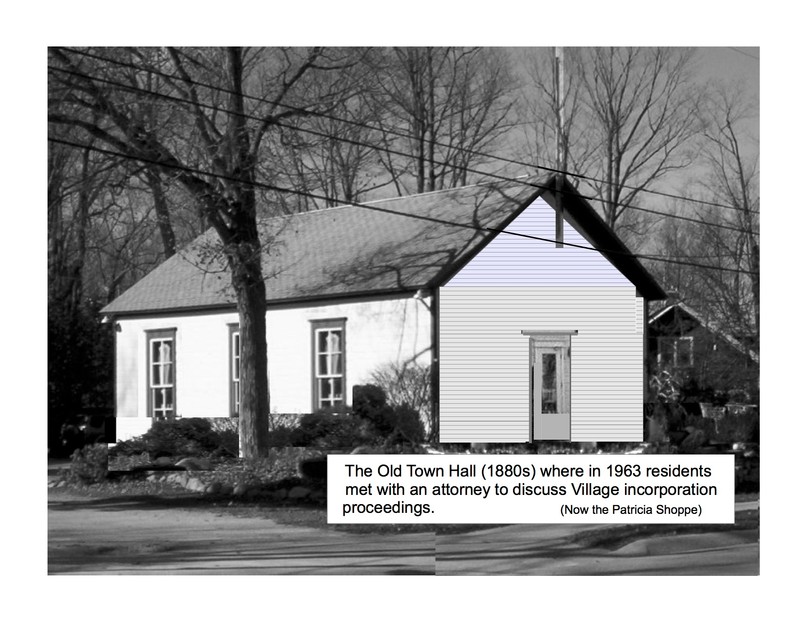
(550, 388)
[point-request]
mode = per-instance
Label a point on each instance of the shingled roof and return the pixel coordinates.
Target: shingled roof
(388, 246)
(703, 320)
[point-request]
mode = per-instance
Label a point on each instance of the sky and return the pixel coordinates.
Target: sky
(739, 65)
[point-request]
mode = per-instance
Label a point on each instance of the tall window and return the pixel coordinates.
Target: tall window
(234, 368)
(161, 373)
(328, 358)
(676, 351)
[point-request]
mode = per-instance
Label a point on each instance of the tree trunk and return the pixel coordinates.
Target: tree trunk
(162, 211)
(254, 396)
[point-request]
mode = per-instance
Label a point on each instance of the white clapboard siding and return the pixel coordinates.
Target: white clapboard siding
(484, 360)
(517, 283)
(512, 260)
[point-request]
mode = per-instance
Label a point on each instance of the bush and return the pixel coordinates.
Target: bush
(134, 446)
(407, 384)
(408, 424)
(227, 432)
(191, 436)
(370, 422)
(738, 427)
(89, 464)
(332, 428)
(183, 436)
(391, 424)
(283, 429)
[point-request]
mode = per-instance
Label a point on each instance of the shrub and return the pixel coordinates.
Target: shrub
(134, 446)
(189, 436)
(283, 429)
(738, 427)
(177, 436)
(332, 428)
(227, 433)
(89, 464)
(408, 424)
(406, 384)
(391, 424)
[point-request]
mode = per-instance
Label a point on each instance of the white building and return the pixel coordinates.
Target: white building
(527, 338)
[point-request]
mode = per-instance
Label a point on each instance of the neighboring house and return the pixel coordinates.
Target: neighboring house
(526, 340)
(701, 356)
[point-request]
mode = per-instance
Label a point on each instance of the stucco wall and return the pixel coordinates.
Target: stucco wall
(377, 332)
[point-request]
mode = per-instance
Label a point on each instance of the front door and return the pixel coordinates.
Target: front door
(550, 388)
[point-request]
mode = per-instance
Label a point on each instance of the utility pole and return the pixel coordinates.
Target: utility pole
(561, 157)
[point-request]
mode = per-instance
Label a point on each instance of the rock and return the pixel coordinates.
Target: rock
(194, 463)
(318, 495)
(299, 493)
(279, 494)
(213, 487)
(196, 484)
(178, 478)
(162, 461)
(240, 490)
(694, 441)
(254, 493)
(225, 489)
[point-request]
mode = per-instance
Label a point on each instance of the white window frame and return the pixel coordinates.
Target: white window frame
(154, 338)
(320, 327)
(234, 369)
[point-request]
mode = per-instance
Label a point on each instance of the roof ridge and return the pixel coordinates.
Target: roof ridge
(398, 197)
(435, 191)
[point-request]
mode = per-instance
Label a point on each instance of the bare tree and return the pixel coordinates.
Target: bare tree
(719, 269)
(332, 156)
(78, 183)
(441, 109)
(547, 105)
(222, 106)
(629, 120)
(734, 180)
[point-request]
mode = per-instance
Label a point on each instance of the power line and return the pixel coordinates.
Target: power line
(744, 53)
(368, 206)
(387, 150)
(404, 135)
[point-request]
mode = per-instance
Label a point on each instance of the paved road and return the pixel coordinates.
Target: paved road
(124, 540)
(544, 550)
(98, 537)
